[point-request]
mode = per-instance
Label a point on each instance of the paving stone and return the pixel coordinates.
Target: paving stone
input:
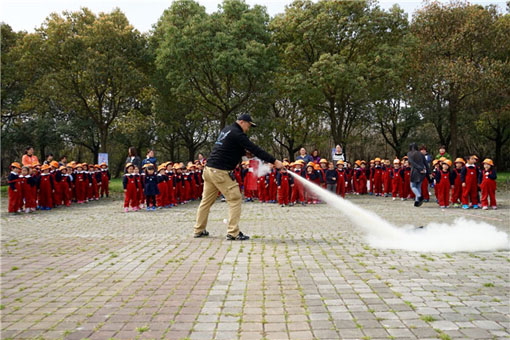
(141, 275)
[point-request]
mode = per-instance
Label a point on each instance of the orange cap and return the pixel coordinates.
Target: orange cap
(377, 159)
(323, 160)
(488, 161)
(460, 160)
(45, 167)
(15, 165)
(54, 164)
(447, 161)
(340, 162)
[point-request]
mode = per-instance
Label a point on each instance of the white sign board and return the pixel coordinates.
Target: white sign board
(102, 157)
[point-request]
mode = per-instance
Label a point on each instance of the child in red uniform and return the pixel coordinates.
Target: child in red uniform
(140, 182)
(488, 184)
(341, 178)
(457, 187)
(71, 173)
(172, 198)
(179, 191)
(387, 178)
(14, 190)
(45, 188)
(445, 179)
(284, 182)
(186, 181)
(271, 184)
(65, 187)
(105, 180)
(469, 178)
(250, 181)
(406, 178)
(370, 177)
(378, 173)
(27, 188)
(361, 178)
(298, 192)
(262, 189)
(96, 181)
(80, 184)
(162, 199)
(396, 179)
(312, 176)
(323, 163)
(130, 184)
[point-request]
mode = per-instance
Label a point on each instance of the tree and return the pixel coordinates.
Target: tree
(89, 66)
(223, 57)
(329, 48)
(395, 115)
(452, 54)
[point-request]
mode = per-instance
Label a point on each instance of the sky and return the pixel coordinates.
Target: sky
(142, 14)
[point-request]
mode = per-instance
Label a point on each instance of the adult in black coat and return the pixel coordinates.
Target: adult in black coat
(133, 158)
(419, 170)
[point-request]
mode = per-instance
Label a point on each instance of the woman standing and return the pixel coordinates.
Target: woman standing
(315, 156)
(338, 155)
(419, 170)
(133, 158)
(304, 156)
(149, 158)
(29, 159)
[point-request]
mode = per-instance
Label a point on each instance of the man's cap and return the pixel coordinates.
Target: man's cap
(247, 118)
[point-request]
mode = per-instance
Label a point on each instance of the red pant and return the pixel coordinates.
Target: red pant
(298, 194)
(57, 195)
(162, 198)
(262, 191)
(28, 195)
(377, 182)
(425, 189)
(283, 194)
(81, 190)
(105, 185)
(361, 185)
(65, 193)
(396, 186)
(171, 192)
(488, 191)
(443, 193)
(470, 191)
(45, 199)
(340, 187)
(14, 199)
(387, 182)
(131, 196)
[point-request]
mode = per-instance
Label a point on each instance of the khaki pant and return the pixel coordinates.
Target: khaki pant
(219, 180)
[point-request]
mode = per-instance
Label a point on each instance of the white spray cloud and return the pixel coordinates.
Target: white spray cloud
(462, 235)
(263, 168)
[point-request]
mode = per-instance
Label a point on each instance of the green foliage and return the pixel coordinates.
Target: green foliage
(321, 73)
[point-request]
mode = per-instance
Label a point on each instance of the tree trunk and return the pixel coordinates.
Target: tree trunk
(453, 108)
(191, 152)
(103, 139)
(497, 156)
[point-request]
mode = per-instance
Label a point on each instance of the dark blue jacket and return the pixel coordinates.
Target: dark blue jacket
(151, 185)
(331, 176)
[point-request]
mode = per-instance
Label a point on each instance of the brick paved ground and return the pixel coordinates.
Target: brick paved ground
(95, 272)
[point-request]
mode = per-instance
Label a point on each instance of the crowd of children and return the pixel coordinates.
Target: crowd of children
(164, 186)
(44, 187)
(51, 185)
(459, 186)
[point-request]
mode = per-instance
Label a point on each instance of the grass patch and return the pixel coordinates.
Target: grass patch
(427, 318)
(142, 329)
(488, 284)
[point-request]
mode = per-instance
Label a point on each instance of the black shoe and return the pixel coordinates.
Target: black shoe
(240, 237)
(201, 234)
(419, 202)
